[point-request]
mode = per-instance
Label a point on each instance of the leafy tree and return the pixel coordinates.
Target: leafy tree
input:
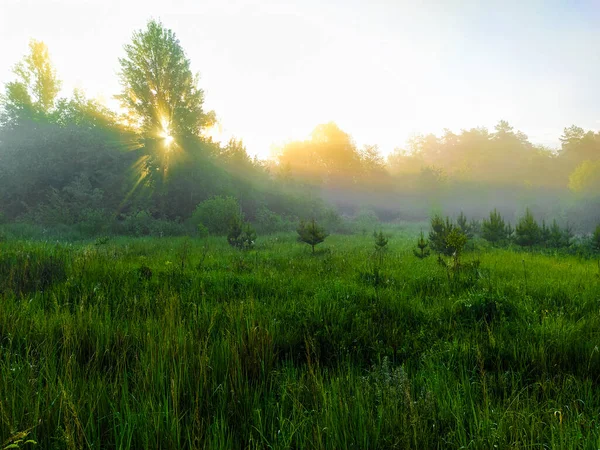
(422, 245)
(527, 231)
(217, 214)
(36, 87)
(311, 233)
(159, 89)
(585, 179)
(241, 235)
(494, 229)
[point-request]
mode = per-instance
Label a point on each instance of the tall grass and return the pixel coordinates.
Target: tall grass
(174, 343)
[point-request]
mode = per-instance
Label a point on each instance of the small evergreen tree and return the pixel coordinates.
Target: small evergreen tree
(464, 225)
(527, 232)
(422, 245)
(380, 242)
(438, 233)
(557, 237)
(241, 235)
(438, 236)
(510, 231)
(311, 233)
(494, 229)
(544, 234)
(596, 239)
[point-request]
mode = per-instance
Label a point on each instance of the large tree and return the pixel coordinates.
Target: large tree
(159, 89)
(36, 86)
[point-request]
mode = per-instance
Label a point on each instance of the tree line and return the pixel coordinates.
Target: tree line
(69, 161)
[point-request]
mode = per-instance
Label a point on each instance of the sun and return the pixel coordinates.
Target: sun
(165, 133)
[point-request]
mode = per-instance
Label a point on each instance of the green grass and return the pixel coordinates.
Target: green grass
(182, 343)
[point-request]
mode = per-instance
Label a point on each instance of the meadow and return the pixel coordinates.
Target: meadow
(175, 343)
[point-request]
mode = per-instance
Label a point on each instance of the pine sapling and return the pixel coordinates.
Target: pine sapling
(423, 247)
(311, 233)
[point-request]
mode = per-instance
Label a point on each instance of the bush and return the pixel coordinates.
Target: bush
(527, 231)
(137, 224)
(269, 222)
(93, 221)
(163, 228)
(217, 214)
(241, 235)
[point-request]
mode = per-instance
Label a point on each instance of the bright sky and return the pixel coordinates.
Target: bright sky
(382, 70)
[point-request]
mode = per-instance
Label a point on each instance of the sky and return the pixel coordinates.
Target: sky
(382, 70)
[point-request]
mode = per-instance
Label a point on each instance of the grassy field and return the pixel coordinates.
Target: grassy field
(183, 343)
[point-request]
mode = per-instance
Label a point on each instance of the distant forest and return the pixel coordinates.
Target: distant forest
(73, 163)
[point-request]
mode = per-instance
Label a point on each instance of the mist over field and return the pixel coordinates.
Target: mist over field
(342, 256)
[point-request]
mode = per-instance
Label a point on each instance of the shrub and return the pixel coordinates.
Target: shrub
(138, 224)
(241, 235)
(93, 221)
(311, 233)
(269, 222)
(494, 229)
(202, 231)
(217, 214)
(527, 231)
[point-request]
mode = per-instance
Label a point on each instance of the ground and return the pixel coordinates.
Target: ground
(188, 343)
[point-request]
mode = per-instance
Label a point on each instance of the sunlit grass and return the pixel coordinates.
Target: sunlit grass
(210, 347)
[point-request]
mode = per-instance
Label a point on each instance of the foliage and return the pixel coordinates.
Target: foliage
(311, 233)
(423, 247)
(596, 239)
(268, 221)
(465, 226)
(159, 88)
(35, 90)
(445, 237)
(217, 214)
(381, 241)
(494, 229)
(241, 235)
(527, 232)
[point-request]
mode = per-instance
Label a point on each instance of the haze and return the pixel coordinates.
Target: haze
(383, 71)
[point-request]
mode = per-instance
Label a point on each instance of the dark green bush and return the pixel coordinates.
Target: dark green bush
(217, 214)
